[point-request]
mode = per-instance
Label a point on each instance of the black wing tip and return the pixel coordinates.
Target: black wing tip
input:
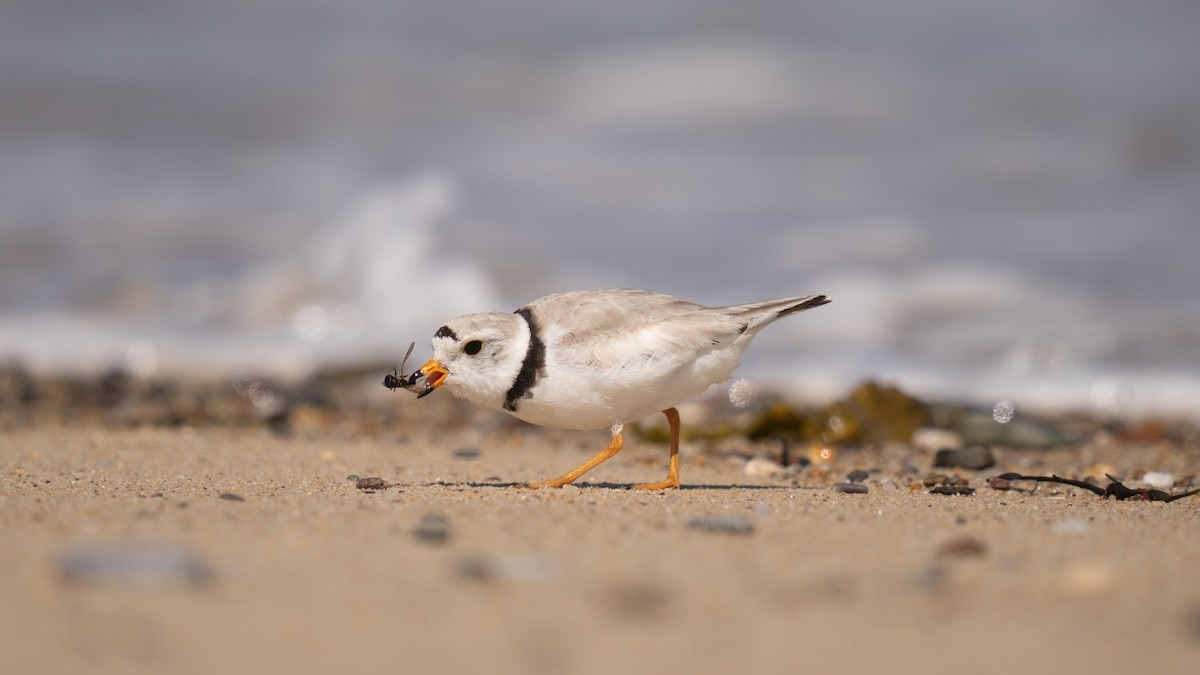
(814, 301)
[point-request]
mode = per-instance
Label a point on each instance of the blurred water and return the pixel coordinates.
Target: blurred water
(1001, 198)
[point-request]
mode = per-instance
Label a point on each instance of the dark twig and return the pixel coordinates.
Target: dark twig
(1055, 479)
(1115, 488)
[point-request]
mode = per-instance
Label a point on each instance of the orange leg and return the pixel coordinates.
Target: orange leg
(614, 446)
(672, 479)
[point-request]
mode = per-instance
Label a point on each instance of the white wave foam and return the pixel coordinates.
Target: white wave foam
(359, 290)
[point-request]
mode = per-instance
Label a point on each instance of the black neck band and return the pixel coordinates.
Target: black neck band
(535, 361)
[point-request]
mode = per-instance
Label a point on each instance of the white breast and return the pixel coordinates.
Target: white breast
(582, 397)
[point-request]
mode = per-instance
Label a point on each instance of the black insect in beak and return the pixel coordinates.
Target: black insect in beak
(434, 371)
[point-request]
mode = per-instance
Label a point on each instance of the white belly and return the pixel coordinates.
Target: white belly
(583, 398)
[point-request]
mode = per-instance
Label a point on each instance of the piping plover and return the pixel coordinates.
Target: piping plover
(595, 360)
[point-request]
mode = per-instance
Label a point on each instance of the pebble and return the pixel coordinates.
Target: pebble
(934, 480)
(1160, 480)
(527, 569)
(127, 565)
(975, 457)
(720, 524)
(931, 577)
(1191, 623)
(432, 529)
(642, 601)
(932, 439)
(761, 466)
(230, 497)
(371, 483)
(466, 453)
(962, 547)
(952, 490)
(857, 476)
(998, 483)
(850, 488)
(475, 568)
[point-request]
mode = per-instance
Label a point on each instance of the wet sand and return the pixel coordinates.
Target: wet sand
(222, 550)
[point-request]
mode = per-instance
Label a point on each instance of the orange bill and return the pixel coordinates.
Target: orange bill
(435, 375)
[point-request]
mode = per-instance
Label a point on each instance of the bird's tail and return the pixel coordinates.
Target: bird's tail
(800, 304)
(759, 314)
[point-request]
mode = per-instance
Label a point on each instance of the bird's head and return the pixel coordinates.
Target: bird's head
(477, 357)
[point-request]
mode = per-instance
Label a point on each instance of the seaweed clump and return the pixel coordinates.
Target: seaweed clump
(871, 413)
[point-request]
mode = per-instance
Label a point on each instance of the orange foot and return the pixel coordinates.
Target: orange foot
(670, 482)
(672, 479)
(614, 446)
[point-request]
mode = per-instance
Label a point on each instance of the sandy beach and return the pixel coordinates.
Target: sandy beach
(223, 223)
(239, 550)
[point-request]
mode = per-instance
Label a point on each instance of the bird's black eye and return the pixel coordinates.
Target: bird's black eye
(472, 348)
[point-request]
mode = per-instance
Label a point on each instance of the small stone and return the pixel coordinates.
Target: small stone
(953, 490)
(975, 457)
(721, 525)
(850, 488)
(371, 483)
(1159, 480)
(230, 497)
(936, 479)
(353, 478)
(466, 453)
(962, 547)
(136, 565)
(998, 483)
(476, 568)
(931, 577)
(638, 601)
(761, 466)
(1191, 623)
(524, 569)
(432, 529)
(857, 476)
(932, 439)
